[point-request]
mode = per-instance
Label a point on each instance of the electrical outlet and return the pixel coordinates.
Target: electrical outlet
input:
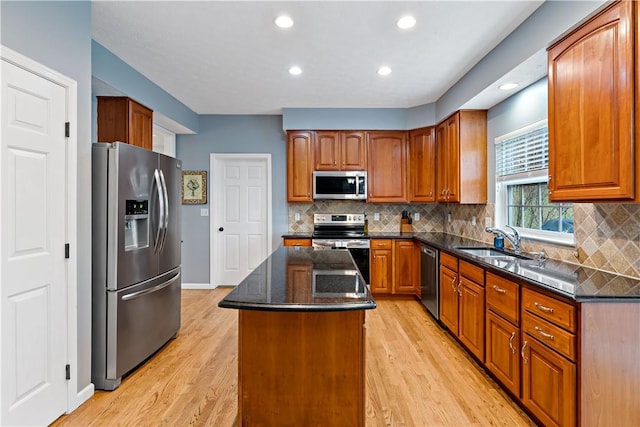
(473, 220)
(449, 217)
(296, 216)
(376, 216)
(204, 212)
(416, 216)
(487, 221)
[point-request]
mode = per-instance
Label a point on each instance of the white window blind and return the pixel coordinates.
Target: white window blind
(523, 152)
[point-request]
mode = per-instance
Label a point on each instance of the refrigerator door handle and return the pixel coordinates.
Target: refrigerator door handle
(151, 290)
(157, 243)
(165, 225)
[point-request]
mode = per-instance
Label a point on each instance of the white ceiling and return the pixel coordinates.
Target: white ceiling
(229, 58)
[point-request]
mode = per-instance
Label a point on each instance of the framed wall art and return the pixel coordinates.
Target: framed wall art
(194, 187)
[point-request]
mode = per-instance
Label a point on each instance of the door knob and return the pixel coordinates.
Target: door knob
(221, 229)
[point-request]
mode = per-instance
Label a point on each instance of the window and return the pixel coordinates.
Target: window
(522, 196)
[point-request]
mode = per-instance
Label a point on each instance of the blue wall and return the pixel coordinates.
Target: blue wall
(58, 34)
(229, 134)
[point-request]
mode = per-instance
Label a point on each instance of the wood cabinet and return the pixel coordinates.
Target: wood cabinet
(381, 266)
(340, 150)
(288, 241)
(591, 109)
(502, 355)
(300, 166)
(406, 266)
(387, 166)
(461, 155)
(123, 119)
(471, 308)
(449, 303)
(422, 165)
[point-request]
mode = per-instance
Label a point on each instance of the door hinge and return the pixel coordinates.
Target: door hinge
(66, 250)
(67, 131)
(68, 371)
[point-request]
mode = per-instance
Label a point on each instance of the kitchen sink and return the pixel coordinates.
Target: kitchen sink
(491, 253)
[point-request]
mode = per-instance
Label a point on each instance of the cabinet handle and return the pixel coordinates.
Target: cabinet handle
(524, 358)
(453, 283)
(459, 285)
(430, 193)
(513, 349)
(543, 308)
(543, 333)
(499, 290)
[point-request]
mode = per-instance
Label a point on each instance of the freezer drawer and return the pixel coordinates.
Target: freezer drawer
(139, 320)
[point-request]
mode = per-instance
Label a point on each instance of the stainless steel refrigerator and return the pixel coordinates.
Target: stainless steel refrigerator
(136, 258)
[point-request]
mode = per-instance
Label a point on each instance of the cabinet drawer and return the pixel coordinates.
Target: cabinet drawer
(381, 243)
(449, 261)
(550, 335)
(472, 272)
(297, 242)
(503, 297)
(560, 313)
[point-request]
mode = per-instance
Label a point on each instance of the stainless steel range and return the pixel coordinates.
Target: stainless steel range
(343, 231)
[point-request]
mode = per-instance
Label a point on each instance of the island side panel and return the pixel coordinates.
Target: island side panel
(301, 368)
(610, 365)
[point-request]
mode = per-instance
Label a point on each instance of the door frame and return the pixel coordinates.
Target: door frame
(241, 156)
(75, 397)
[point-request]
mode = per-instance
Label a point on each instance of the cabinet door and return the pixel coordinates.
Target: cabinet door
(449, 298)
(591, 107)
(448, 158)
(422, 165)
(140, 125)
(353, 151)
(387, 166)
(327, 151)
(381, 271)
(502, 356)
(471, 324)
(406, 267)
(548, 384)
(300, 166)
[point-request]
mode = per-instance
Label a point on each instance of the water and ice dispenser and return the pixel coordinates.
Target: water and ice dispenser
(136, 225)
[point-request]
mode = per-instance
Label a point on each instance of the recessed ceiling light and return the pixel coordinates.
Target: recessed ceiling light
(508, 86)
(406, 22)
(295, 70)
(384, 71)
(284, 21)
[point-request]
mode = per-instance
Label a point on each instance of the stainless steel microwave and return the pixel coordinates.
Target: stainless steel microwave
(347, 185)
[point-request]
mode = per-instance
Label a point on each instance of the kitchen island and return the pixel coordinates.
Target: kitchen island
(301, 339)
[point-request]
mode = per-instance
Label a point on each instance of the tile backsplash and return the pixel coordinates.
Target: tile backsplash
(607, 235)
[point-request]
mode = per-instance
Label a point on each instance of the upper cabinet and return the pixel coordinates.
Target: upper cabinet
(300, 166)
(123, 119)
(461, 153)
(422, 165)
(387, 166)
(591, 109)
(340, 150)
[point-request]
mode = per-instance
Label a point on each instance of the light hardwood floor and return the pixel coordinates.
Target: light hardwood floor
(416, 375)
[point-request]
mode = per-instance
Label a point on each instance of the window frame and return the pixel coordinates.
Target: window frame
(540, 176)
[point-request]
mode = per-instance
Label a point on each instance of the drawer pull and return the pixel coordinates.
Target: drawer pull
(543, 333)
(499, 290)
(453, 283)
(524, 358)
(513, 349)
(543, 308)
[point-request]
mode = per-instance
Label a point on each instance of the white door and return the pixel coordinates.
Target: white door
(32, 252)
(240, 203)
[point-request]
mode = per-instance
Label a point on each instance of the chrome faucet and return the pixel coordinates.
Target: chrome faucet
(513, 239)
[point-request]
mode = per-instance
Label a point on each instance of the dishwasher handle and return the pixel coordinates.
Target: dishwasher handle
(428, 251)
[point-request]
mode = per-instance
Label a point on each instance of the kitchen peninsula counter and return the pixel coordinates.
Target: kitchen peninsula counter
(301, 339)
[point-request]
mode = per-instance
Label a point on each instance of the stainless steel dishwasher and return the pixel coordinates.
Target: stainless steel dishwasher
(430, 292)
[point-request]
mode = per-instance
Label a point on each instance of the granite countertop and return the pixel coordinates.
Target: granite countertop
(573, 281)
(303, 279)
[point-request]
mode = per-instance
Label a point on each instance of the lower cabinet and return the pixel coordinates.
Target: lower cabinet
(288, 241)
(394, 267)
(462, 302)
(502, 351)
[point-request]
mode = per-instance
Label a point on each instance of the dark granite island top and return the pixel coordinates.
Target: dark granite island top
(303, 279)
(301, 339)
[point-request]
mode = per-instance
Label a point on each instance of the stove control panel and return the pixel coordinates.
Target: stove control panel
(350, 219)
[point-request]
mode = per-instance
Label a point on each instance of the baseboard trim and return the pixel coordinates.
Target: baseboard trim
(82, 396)
(198, 286)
